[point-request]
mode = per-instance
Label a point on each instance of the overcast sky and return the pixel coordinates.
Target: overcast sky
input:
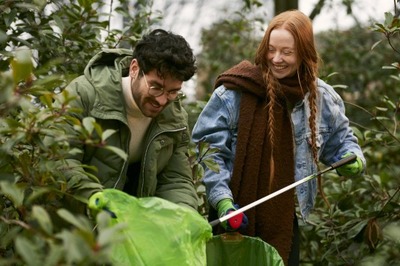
(336, 17)
(188, 19)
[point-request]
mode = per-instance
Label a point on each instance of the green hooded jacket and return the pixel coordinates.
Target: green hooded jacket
(165, 170)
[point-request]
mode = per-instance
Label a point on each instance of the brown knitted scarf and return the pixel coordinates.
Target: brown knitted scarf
(272, 221)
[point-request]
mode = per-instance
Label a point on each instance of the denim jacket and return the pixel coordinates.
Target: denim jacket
(218, 125)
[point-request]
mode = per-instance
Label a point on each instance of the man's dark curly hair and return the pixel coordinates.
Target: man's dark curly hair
(168, 53)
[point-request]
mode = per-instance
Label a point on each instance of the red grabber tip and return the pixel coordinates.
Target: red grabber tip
(235, 221)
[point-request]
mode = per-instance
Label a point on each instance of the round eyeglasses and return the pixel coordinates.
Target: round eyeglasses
(158, 91)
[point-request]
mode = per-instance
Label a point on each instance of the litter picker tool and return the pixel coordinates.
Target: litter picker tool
(339, 163)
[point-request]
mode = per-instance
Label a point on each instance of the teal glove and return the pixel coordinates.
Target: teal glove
(351, 169)
(237, 222)
(223, 206)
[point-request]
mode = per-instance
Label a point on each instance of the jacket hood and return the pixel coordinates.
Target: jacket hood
(107, 67)
(104, 71)
(106, 57)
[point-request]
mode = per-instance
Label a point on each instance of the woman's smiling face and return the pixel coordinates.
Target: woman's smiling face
(282, 56)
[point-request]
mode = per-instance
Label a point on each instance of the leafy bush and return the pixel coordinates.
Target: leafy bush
(35, 226)
(362, 226)
(44, 44)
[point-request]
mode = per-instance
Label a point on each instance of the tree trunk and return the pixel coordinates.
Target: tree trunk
(283, 5)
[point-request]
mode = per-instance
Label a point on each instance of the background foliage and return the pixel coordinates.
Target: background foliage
(362, 225)
(53, 41)
(45, 44)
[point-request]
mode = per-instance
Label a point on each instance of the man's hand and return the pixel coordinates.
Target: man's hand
(237, 222)
(351, 169)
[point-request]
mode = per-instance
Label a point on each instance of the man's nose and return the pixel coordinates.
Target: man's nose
(163, 99)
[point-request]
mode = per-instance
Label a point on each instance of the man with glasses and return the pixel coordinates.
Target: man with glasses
(137, 95)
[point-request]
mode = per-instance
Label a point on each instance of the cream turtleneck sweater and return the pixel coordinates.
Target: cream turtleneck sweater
(138, 123)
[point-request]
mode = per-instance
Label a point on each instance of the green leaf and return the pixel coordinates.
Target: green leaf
(203, 146)
(37, 192)
(54, 255)
(107, 133)
(22, 64)
(347, 185)
(88, 124)
(377, 179)
(340, 86)
(47, 100)
(98, 129)
(90, 185)
(117, 151)
(392, 231)
(9, 15)
(72, 219)
(75, 151)
(204, 149)
(356, 229)
(111, 235)
(390, 104)
(358, 134)
(388, 18)
(379, 118)
(28, 251)
(383, 109)
(375, 44)
(3, 37)
(192, 152)
(212, 165)
(75, 247)
(43, 219)
(59, 22)
(212, 151)
(13, 193)
(199, 172)
(13, 123)
(332, 74)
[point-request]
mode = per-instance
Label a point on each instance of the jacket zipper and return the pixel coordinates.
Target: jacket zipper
(125, 162)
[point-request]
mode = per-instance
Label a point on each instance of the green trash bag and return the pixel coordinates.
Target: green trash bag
(234, 249)
(157, 232)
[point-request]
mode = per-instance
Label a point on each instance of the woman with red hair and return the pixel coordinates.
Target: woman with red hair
(273, 122)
